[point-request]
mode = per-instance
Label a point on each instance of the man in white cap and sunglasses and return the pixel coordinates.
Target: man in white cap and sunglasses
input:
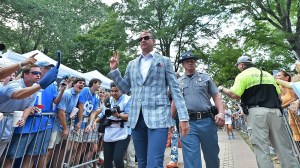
(259, 94)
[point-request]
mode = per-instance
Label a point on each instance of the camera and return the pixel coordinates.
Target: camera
(63, 84)
(103, 124)
(111, 111)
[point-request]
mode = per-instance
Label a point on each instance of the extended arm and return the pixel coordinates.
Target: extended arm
(79, 115)
(25, 92)
(6, 71)
(62, 121)
(228, 93)
(61, 92)
(284, 83)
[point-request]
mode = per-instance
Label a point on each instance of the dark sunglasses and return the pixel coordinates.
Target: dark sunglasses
(36, 72)
(145, 38)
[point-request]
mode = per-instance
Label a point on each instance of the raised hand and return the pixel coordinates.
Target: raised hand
(114, 60)
(51, 75)
(30, 60)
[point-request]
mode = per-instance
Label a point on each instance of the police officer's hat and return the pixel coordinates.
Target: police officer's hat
(187, 55)
(243, 59)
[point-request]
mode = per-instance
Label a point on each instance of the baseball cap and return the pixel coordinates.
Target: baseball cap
(44, 63)
(66, 77)
(187, 55)
(243, 59)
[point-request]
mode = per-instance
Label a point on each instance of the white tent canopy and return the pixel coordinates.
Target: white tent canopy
(96, 74)
(63, 70)
(13, 57)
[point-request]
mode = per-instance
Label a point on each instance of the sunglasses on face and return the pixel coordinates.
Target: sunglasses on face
(35, 72)
(145, 38)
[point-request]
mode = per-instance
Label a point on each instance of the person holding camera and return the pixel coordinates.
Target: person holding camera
(259, 94)
(197, 89)
(117, 133)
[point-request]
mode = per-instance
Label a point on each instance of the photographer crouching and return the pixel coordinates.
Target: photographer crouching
(117, 133)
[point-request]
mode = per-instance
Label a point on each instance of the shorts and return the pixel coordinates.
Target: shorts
(81, 136)
(29, 144)
(55, 139)
(3, 144)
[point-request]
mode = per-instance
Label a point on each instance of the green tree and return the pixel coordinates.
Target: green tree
(281, 17)
(95, 47)
(220, 60)
(46, 25)
(177, 24)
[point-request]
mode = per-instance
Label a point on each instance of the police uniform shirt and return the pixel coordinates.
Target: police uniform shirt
(197, 91)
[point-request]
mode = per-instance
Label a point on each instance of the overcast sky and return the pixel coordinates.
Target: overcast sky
(109, 2)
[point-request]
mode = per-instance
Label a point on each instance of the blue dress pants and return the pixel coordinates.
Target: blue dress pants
(149, 144)
(203, 135)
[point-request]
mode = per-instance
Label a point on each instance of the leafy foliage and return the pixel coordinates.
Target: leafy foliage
(221, 60)
(176, 23)
(46, 25)
(96, 46)
(281, 17)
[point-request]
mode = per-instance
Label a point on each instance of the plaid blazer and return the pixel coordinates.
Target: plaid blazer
(150, 95)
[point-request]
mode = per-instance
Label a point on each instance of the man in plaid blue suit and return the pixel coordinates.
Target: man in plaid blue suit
(148, 77)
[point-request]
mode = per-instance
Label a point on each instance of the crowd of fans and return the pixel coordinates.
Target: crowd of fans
(73, 123)
(59, 125)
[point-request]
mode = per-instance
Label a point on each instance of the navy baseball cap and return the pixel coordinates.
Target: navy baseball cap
(44, 63)
(187, 55)
(66, 77)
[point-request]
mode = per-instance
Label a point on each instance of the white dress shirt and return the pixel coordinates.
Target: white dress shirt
(145, 62)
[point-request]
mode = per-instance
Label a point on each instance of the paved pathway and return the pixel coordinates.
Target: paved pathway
(234, 153)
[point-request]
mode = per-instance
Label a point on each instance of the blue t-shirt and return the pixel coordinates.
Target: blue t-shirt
(37, 122)
(8, 105)
(67, 102)
(90, 103)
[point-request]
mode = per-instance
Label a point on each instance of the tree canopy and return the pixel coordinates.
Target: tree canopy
(176, 23)
(87, 32)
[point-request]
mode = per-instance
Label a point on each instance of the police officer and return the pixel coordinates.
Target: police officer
(258, 92)
(197, 89)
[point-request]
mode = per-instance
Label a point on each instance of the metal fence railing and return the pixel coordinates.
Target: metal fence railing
(241, 124)
(296, 119)
(44, 146)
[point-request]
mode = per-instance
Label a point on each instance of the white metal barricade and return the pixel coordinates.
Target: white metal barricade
(77, 149)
